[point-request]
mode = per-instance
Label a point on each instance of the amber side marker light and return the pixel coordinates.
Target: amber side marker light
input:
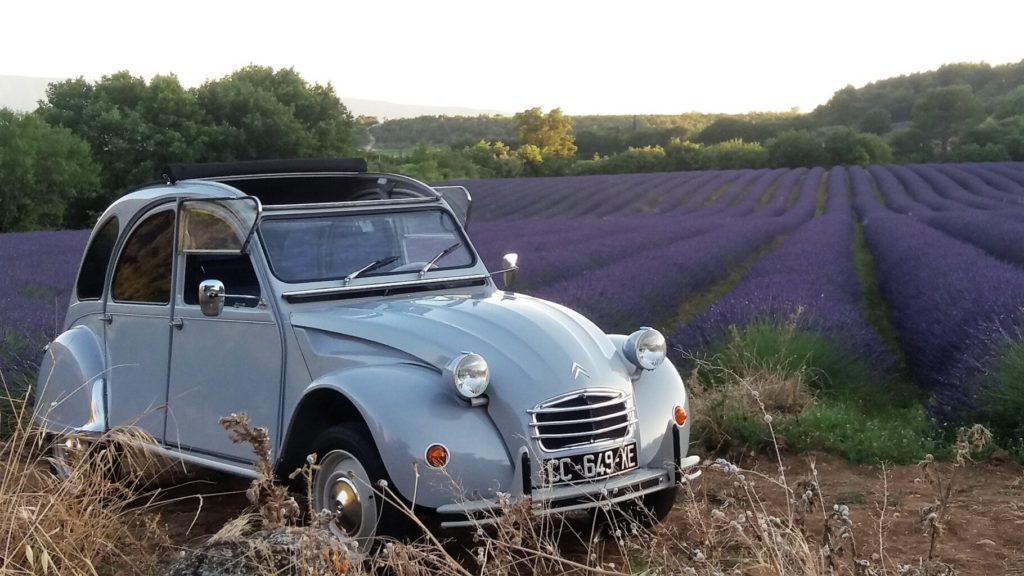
(679, 415)
(436, 456)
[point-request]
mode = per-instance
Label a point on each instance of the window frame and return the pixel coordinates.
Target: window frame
(110, 259)
(459, 230)
(167, 206)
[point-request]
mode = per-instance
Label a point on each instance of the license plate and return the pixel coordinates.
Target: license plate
(581, 467)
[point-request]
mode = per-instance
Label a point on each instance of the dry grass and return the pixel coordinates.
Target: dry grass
(97, 520)
(100, 520)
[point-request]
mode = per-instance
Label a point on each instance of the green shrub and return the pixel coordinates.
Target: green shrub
(1004, 406)
(794, 149)
(816, 395)
(734, 155)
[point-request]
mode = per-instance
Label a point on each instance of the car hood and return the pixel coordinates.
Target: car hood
(530, 345)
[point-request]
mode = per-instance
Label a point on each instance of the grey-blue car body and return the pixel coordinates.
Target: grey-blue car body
(236, 288)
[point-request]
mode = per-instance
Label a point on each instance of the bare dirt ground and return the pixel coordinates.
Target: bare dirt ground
(984, 534)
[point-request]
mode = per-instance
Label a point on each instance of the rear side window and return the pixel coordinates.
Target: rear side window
(143, 271)
(97, 258)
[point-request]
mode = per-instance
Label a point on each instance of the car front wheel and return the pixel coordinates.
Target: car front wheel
(657, 506)
(347, 483)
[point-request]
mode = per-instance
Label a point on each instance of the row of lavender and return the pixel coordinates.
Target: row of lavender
(644, 248)
(810, 281)
(950, 274)
(942, 236)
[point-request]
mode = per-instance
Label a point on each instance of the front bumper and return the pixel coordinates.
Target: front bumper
(569, 498)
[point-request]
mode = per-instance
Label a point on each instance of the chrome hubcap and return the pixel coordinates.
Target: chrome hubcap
(342, 487)
(347, 507)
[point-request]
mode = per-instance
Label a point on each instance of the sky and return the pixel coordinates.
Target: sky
(587, 57)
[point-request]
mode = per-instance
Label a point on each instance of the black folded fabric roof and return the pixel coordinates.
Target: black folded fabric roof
(177, 172)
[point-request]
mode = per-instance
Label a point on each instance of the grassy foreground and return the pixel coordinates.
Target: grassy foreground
(104, 518)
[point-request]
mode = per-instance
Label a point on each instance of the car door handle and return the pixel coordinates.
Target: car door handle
(177, 323)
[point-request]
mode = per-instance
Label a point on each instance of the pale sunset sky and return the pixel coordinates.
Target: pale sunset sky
(586, 57)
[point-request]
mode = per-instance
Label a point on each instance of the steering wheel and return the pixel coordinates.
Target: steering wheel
(409, 267)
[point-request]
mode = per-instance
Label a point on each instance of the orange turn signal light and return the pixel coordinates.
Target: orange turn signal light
(679, 415)
(436, 456)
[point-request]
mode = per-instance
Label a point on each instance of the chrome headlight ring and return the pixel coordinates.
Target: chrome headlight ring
(646, 348)
(468, 374)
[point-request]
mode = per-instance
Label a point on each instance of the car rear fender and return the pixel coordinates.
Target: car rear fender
(407, 408)
(71, 387)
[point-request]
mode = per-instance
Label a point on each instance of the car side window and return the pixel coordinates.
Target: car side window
(96, 261)
(234, 270)
(143, 272)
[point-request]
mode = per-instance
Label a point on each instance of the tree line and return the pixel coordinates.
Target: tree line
(89, 142)
(958, 113)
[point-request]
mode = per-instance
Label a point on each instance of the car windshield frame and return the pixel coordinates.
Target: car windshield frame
(458, 230)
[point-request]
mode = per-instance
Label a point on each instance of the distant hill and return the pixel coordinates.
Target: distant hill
(896, 96)
(22, 93)
(392, 110)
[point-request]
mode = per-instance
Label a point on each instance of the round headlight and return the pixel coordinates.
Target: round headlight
(645, 348)
(468, 373)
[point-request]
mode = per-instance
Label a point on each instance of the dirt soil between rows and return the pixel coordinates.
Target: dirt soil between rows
(984, 534)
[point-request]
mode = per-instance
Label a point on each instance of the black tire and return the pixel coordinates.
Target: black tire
(356, 440)
(658, 505)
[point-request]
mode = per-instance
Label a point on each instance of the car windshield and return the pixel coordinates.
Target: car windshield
(340, 246)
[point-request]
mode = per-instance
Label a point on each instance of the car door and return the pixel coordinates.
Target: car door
(221, 364)
(137, 335)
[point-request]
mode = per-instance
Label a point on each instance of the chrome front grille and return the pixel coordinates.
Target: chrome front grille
(595, 416)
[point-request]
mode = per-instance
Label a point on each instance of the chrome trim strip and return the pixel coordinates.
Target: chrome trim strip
(626, 424)
(362, 287)
(325, 205)
(625, 412)
(197, 460)
(229, 178)
(545, 502)
(607, 403)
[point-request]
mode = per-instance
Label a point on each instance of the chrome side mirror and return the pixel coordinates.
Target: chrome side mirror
(211, 297)
(509, 269)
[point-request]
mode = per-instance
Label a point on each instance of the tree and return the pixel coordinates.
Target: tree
(943, 114)
(971, 152)
(739, 128)
(876, 121)
(133, 128)
(531, 157)
(496, 158)
(878, 150)
(847, 147)
(911, 146)
(43, 169)
(682, 155)
(845, 106)
(551, 133)
(1012, 104)
(796, 148)
(257, 112)
(734, 154)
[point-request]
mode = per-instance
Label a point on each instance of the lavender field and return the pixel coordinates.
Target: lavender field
(914, 272)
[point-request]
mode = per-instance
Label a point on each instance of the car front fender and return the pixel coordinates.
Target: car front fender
(70, 389)
(656, 393)
(407, 408)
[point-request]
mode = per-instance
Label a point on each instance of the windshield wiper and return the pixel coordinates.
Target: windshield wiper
(369, 268)
(440, 255)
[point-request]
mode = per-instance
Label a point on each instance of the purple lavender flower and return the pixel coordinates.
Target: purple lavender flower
(810, 279)
(950, 302)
